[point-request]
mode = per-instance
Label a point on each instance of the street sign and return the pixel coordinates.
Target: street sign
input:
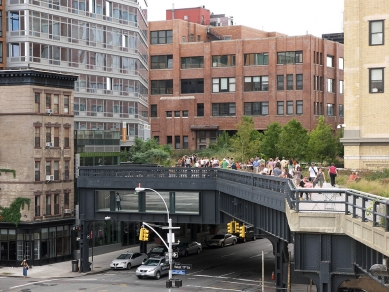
(178, 266)
(178, 272)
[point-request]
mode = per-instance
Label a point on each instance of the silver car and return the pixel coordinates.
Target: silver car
(153, 268)
(128, 260)
(187, 248)
(222, 240)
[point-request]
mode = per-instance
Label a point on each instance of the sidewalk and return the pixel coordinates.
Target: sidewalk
(64, 269)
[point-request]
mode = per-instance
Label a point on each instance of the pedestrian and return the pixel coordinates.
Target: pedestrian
(25, 267)
(297, 175)
(320, 178)
(332, 173)
(118, 200)
(312, 172)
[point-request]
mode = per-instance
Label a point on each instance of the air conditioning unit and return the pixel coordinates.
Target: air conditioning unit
(49, 144)
(49, 111)
(49, 177)
(67, 211)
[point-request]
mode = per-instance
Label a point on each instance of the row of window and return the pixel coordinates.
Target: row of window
(52, 204)
(54, 103)
(52, 137)
(52, 168)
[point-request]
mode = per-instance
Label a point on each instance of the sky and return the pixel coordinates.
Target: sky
(291, 17)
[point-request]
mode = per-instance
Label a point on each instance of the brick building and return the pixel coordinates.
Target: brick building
(3, 47)
(366, 137)
(204, 79)
(36, 121)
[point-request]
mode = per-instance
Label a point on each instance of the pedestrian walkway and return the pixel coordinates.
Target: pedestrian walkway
(64, 269)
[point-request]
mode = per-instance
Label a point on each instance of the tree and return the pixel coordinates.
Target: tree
(322, 144)
(246, 140)
(269, 140)
(223, 142)
(293, 140)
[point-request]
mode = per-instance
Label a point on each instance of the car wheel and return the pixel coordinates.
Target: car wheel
(158, 275)
(186, 253)
(234, 242)
(139, 277)
(128, 266)
(198, 251)
(223, 244)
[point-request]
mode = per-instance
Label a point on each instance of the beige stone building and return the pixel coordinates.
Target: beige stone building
(366, 134)
(36, 130)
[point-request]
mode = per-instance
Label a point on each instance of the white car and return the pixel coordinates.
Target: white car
(127, 260)
(153, 268)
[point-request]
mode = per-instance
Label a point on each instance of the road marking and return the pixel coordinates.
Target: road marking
(226, 255)
(226, 274)
(83, 279)
(195, 272)
(221, 277)
(32, 283)
(214, 288)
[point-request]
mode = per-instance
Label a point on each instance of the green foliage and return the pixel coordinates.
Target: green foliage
(269, 140)
(246, 141)
(377, 175)
(8, 170)
(223, 142)
(12, 213)
(322, 144)
(293, 140)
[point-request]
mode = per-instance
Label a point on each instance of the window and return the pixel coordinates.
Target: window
(280, 107)
(289, 82)
(169, 114)
(290, 57)
(330, 109)
(14, 50)
(37, 102)
(341, 63)
(37, 142)
(169, 140)
(153, 111)
(184, 39)
(177, 114)
(66, 105)
(330, 85)
(223, 61)
(37, 170)
(14, 21)
(256, 83)
(66, 167)
(162, 62)
(48, 134)
(289, 107)
(56, 104)
(66, 140)
(48, 205)
(185, 142)
(48, 101)
(66, 203)
(192, 62)
(200, 109)
(223, 109)
(330, 61)
(56, 204)
(185, 114)
(256, 59)
(56, 170)
(192, 86)
(256, 108)
(299, 81)
(341, 86)
(341, 111)
(177, 142)
(316, 84)
(318, 108)
(1, 50)
(161, 86)
(376, 32)
(376, 77)
(161, 37)
(56, 137)
(299, 107)
(223, 84)
(37, 205)
(280, 82)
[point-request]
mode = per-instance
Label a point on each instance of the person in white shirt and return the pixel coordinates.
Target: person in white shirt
(312, 172)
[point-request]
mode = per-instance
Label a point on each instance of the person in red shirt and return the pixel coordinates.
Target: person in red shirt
(332, 172)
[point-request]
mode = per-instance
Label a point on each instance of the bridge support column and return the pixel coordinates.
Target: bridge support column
(281, 254)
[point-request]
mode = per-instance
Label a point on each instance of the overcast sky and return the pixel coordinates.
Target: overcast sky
(291, 17)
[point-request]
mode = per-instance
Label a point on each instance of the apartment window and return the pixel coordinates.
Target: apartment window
(177, 142)
(161, 86)
(330, 109)
(66, 140)
(318, 108)
(37, 102)
(1, 22)
(256, 59)
(192, 86)
(289, 107)
(299, 81)
(330, 85)
(376, 32)
(48, 134)
(184, 39)
(56, 170)
(56, 137)
(256, 108)
(330, 61)
(289, 82)
(14, 50)
(280, 107)
(321, 83)
(223, 61)
(200, 109)
(1, 49)
(37, 170)
(223, 109)
(185, 114)
(223, 84)
(66, 167)
(299, 107)
(169, 140)
(37, 205)
(37, 142)
(316, 82)
(177, 114)
(198, 38)
(256, 83)
(290, 57)
(192, 62)
(185, 142)
(56, 104)
(13, 21)
(48, 205)
(161, 37)
(66, 203)
(56, 204)
(376, 80)
(153, 111)
(169, 114)
(341, 63)
(341, 111)
(66, 105)
(341, 86)
(280, 82)
(162, 62)
(48, 101)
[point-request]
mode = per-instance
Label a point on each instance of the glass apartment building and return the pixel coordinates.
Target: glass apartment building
(103, 42)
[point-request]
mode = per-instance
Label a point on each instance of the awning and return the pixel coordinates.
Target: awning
(204, 127)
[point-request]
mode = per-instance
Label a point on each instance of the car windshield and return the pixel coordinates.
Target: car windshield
(157, 249)
(151, 262)
(124, 256)
(183, 244)
(218, 236)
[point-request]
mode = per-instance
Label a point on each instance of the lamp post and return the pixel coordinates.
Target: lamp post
(170, 237)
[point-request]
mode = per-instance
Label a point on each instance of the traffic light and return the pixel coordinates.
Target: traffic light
(145, 234)
(229, 227)
(242, 231)
(236, 227)
(141, 234)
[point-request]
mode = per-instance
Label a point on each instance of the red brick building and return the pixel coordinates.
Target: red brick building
(204, 79)
(199, 15)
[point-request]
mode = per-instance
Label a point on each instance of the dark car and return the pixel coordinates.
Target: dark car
(159, 250)
(187, 248)
(250, 234)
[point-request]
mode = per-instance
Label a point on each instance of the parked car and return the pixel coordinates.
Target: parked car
(250, 234)
(187, 248)
(154, 267)
(222, 240)
(159, 250)
(128, 260)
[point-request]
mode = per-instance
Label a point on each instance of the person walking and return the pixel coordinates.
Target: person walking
(320, 178)
(24, 264)
(312, 172)
(118, 200)
(332, 173)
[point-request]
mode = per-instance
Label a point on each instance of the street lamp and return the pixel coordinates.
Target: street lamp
(170, 237)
